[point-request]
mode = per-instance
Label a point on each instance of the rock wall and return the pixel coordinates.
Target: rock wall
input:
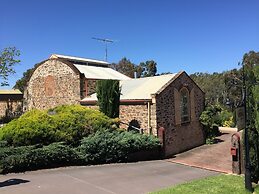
(53, 83)
(10, 108)
(180, 136)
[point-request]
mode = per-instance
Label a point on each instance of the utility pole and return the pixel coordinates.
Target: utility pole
(105, 41)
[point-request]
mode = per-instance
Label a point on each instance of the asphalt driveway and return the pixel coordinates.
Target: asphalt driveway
(130, 178)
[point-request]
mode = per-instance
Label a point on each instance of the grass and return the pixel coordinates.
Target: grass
(220, 184)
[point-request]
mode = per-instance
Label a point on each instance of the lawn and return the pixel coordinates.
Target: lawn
(220, 184)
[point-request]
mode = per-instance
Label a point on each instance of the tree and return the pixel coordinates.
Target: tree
(22, 83)
(148, 68)
(233, 84)
(7, 62)
(108, 94)
(125, 67)
(251, 64)
(144, 69)
(213, 85)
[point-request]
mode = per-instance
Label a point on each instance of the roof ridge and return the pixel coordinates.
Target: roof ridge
(77, 58)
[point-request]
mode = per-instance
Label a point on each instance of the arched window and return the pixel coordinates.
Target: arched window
(185, 105)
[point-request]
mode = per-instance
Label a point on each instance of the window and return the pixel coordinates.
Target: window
(185, 111)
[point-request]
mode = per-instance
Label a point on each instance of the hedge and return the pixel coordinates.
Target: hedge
(105, 146)
(68, 123)
(32, 157)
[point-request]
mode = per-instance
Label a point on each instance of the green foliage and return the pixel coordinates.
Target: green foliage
(104, 146)
(107, 146)
(213, 85)
(148, 68)
(7, 61)
(210, 119)
(63, 123)
(144, 69)
(251, 64)
(108, 94)
(22, 82)
(32, 157)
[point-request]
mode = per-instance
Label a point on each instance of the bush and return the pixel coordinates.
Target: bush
(108, 146)
(105, 146)
(37, 157)
(210, 120)
(63, 123)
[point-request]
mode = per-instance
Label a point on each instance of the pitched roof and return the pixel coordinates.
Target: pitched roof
(80, 59)
(92, 69)
(139, 89)
(92, 72)
(15, 91)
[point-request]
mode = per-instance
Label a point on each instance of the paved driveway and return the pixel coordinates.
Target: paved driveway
(213, 157)
(131, 178)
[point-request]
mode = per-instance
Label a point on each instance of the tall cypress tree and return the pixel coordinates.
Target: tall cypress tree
(108, 94)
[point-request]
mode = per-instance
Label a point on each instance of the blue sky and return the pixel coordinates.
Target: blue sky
(191, 35)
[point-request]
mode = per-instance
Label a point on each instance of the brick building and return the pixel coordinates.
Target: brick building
(172, 103)
(10, 104)
(65, 80)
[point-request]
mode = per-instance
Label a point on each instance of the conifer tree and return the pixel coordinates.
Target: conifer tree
(108, 94)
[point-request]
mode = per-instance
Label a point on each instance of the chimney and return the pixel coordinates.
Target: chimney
(135, 74)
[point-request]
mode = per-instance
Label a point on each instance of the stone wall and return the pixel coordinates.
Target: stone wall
(180, 136)
(136, 114)
(53, 83)
(13, 108)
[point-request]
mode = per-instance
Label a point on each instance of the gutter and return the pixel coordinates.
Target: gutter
(122, 102)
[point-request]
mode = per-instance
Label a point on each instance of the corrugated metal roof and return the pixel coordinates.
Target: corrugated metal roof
(54, 56)
(92, 72)
(139, 89)
(15, 91)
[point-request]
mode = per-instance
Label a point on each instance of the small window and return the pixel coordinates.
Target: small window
(185, 112)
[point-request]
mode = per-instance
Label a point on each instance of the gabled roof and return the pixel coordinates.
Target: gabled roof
(13, 91)
(79, 60)
(92, 69)
(140, 88)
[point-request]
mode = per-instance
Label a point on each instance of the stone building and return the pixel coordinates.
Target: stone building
(65, 80)
(168, 106)
(10, 104)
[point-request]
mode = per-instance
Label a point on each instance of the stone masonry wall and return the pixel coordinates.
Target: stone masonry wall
(138, 113)
(134, 113)
(180, 136)
(14, 107)
(53, 83)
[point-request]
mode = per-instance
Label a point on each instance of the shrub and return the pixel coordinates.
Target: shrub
(63, 123)
(106, 146)
(37, 157)
(210, 120)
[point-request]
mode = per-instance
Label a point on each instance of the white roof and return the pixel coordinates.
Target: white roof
(13, 91)
(139, 89)
(54, 56)
(93, 72)
(98, 70)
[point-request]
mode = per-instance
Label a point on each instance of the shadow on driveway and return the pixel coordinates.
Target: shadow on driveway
(11, 182)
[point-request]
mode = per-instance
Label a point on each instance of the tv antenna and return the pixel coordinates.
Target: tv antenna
(105, 41)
